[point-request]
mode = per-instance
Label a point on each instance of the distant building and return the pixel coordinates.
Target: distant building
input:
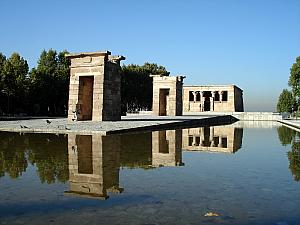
(212, 98)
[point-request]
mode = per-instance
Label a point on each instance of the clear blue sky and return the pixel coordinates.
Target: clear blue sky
(248, 43)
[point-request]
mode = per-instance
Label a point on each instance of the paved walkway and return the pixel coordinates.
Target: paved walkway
(127, 124)
(294, 124)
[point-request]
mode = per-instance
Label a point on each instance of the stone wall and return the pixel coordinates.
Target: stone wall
(238, 100)
(257, 116)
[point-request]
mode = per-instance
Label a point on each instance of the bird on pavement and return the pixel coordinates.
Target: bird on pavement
(48, 121)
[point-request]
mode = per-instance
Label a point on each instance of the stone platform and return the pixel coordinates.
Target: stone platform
(132, 123)
(291, 123)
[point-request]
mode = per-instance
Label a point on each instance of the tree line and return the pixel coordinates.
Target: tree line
(43, 90)
(289, 100)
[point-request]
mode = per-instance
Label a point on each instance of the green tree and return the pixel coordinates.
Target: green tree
(2, 95)
(294, 80)
(13, 78)
(286, 101)
(49, 153)
(2, 61)
(136, 86)
(50, 83)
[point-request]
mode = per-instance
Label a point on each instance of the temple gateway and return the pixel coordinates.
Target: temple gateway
(212, 98)
(95, 86)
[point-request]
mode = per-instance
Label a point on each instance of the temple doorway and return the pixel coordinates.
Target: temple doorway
(163, 102)
(207, 95)
(85, 98)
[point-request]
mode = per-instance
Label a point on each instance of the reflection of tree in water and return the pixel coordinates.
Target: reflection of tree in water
(294, 159)
(12, 155)
(136, 150)
(285, 135)
(47, 152)
(288, 136)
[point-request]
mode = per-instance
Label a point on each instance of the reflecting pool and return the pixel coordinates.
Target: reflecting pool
(243, 173)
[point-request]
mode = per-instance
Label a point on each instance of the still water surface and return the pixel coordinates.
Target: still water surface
(240, 174)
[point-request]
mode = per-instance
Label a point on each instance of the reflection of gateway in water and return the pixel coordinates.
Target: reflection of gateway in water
(166, 148)
(94, 165)
(94, 160)
(227, 139)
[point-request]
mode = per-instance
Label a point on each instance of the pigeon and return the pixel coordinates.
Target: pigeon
(48, 121)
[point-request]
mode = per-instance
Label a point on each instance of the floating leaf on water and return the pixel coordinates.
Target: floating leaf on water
(210, 214)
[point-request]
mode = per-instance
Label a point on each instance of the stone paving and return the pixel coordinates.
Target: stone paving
(291, 123)
(127, 124)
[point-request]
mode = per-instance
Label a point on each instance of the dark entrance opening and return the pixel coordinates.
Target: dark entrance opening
(163, 101)
(85, 97)
(163, 142)
(206, 142)
(207, 104)
(217, 96)
(85, 154)
(207, 95)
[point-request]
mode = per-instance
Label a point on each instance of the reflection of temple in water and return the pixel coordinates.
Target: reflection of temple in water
(226, 139)
(166, 148)
(95, 160)
(94, 165)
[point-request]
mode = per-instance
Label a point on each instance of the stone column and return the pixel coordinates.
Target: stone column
(211, 134)
(202, 101)
(221, 95)
(194, 140)
(201, 136)
(212, 143)
(220, 142)
(195, 95)
(211, 100)
(213, 94)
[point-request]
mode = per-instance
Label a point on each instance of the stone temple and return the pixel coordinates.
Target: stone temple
(95, 91)
(95, 86)
(212, 98)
